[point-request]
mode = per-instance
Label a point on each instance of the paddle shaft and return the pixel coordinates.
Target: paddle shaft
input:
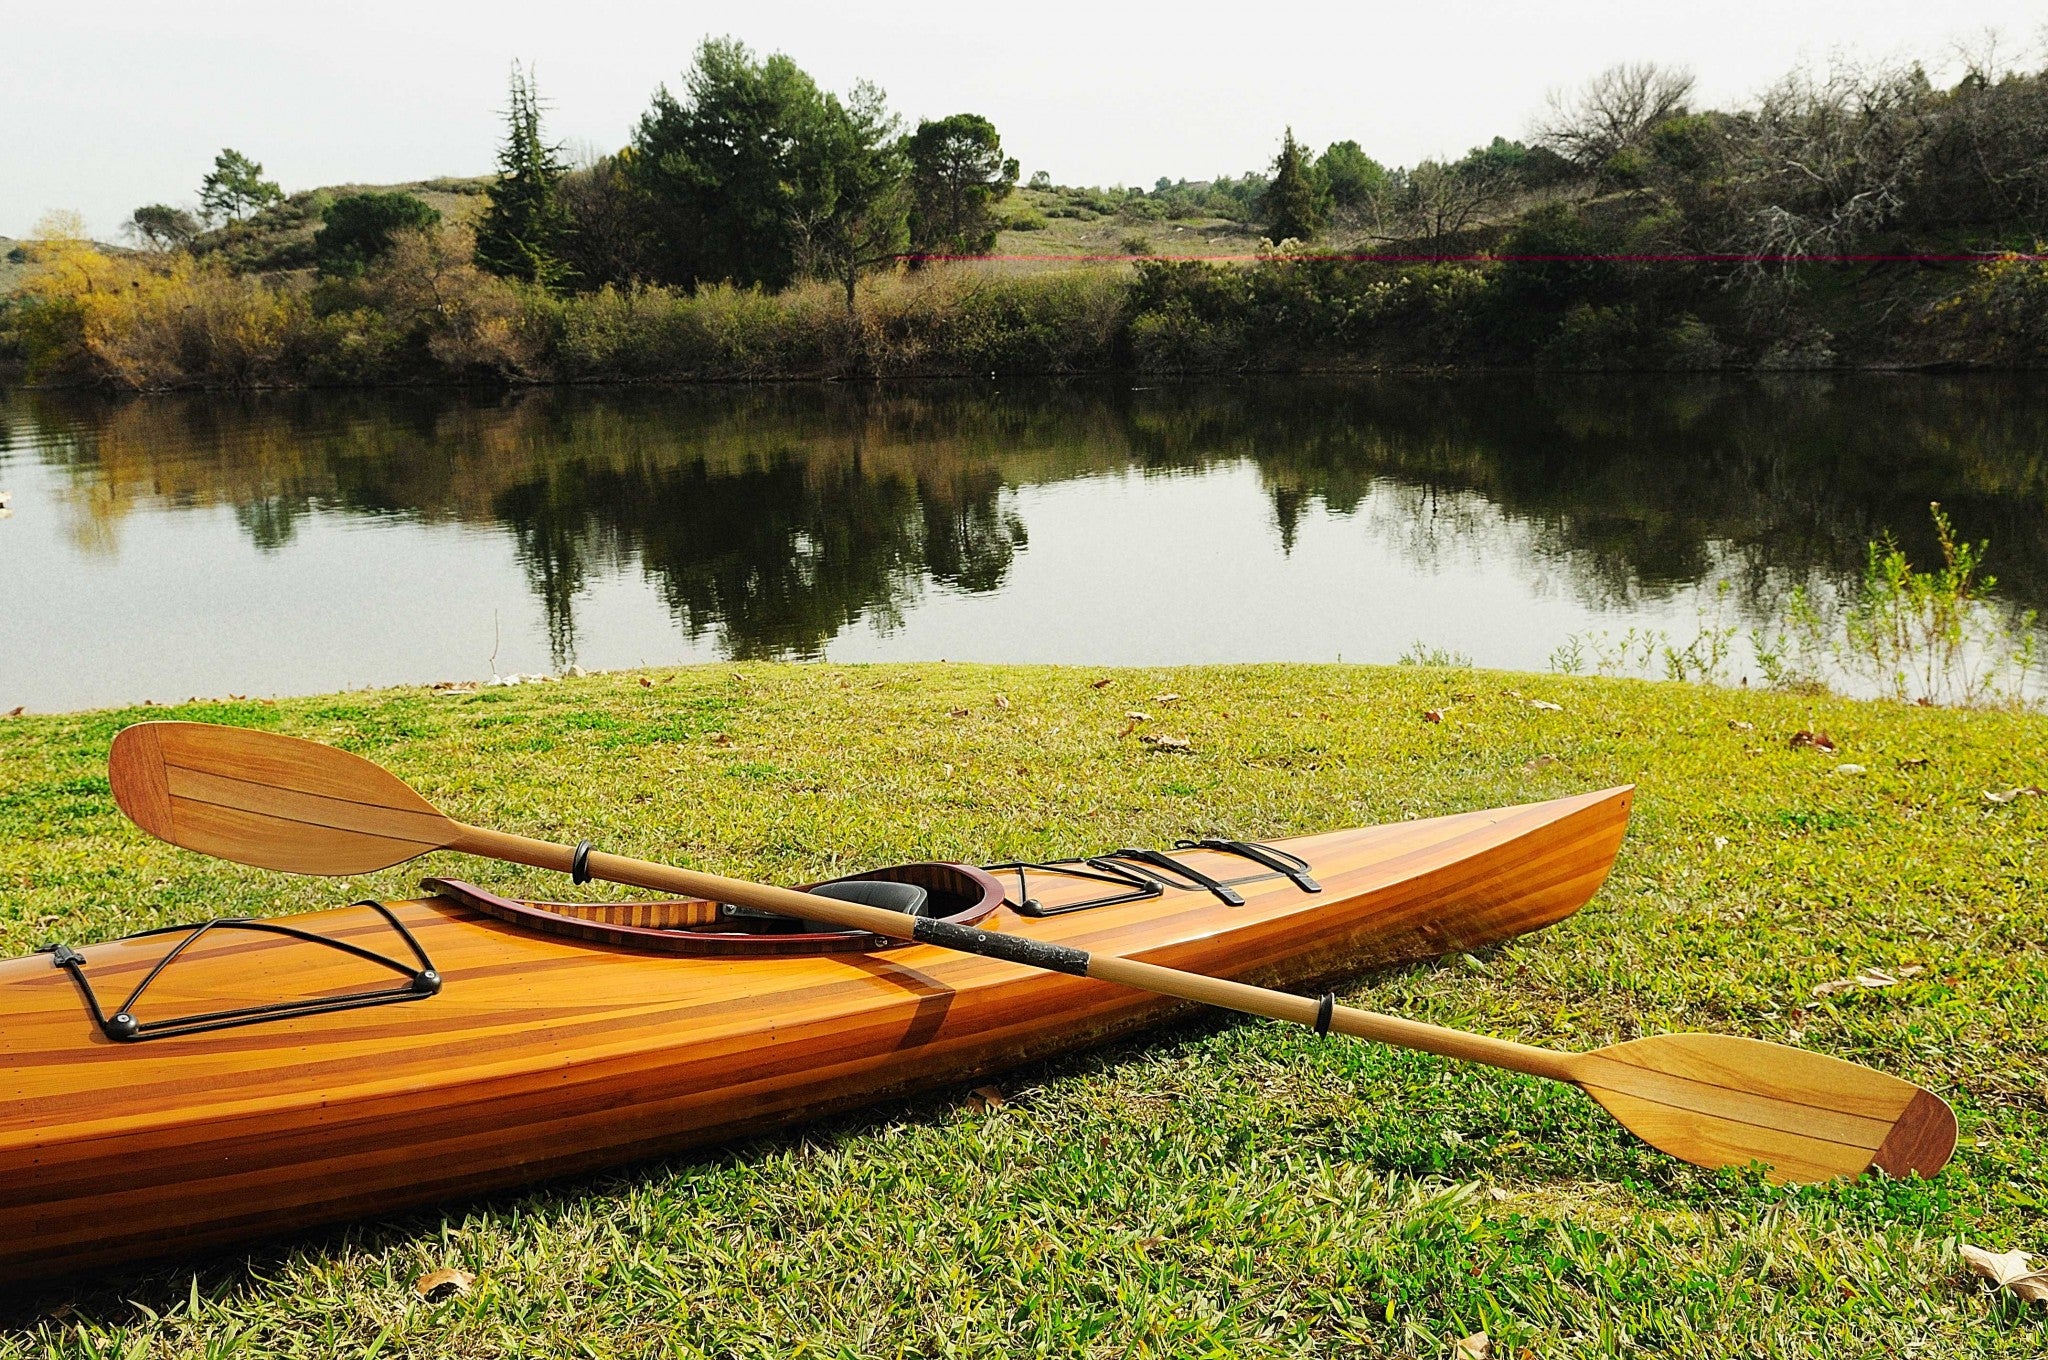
(1059, 958)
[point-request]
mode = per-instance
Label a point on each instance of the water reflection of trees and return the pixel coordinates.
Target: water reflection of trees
(775, 518)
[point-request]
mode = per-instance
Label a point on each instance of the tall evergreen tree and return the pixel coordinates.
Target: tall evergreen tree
(727, 168)
(858, 207)
(236, 187)
(520, 234)
(1294, 200)
(958, 176)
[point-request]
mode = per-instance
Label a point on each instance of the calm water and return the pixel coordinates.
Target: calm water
(167, 547)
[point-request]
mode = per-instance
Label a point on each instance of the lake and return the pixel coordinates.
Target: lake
(167, 547)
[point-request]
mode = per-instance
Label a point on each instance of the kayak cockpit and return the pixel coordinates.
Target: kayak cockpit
(958, 893)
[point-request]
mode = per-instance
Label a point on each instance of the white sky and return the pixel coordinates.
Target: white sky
(108, 105)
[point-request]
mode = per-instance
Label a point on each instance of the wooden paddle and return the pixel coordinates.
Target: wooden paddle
(1719, 1101)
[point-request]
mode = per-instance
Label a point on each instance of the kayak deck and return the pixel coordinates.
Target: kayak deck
(542, 1055)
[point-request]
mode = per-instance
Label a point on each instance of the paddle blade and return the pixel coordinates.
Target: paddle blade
(275, 802)
(1720, 1101)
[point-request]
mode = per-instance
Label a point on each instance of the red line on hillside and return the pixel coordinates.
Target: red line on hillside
(1482, 257)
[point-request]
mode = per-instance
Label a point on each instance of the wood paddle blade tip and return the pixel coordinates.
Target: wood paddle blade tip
(266, 799)
(1922, 1141)
(1721, 1101)
(135, 771)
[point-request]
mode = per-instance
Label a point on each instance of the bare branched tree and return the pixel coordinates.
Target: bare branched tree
(1613, 111)
(1824, 161)
(1434, 202)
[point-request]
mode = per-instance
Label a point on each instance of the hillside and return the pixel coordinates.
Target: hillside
(280, 239)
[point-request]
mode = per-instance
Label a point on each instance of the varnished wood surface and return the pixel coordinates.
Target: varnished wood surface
(1723, 1100)
(544, 1055)
(264, 799)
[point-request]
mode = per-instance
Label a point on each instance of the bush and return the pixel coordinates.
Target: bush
(2000, 316)
(359, 228)
(1688, 345)
(1591, 339)
(474, 325)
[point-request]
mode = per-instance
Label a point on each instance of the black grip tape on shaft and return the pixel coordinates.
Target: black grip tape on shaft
(1057, 958)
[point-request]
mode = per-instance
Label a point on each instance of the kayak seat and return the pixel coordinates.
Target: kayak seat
(907, 898)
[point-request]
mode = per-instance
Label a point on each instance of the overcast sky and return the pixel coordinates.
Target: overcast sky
(108, 105)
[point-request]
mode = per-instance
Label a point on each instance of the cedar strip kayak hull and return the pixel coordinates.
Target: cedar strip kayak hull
(543, 1056)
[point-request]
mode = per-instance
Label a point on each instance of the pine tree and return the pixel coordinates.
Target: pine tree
(1294, 201)
(520, 234)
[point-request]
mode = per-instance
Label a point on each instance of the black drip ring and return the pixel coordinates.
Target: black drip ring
(579, 864)
(1324, 1011)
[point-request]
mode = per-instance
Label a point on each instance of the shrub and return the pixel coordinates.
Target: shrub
(359, 228)
(2000, 316)
(85, 318)
(474, 325)
(1592, 338)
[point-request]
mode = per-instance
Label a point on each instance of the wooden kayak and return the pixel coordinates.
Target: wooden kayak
(470, 1043)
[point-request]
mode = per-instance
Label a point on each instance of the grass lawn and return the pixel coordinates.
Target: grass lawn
(1233, 1186)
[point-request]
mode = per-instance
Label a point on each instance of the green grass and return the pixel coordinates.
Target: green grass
(1230, 1187)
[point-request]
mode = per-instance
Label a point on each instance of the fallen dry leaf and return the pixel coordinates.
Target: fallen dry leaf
(985, 1098)
(1869, 977)
(1159, 743)
(1912, 762)
(1098, 684)
(1001, 702)
(16, 711)
(1478, 1346)
(1135, 716)
(1540, 762)
(720, 739)
(1738, 725)
(1166, 698)
(1806, 736)
(1433, 715)
(2012, 1271)
(444, 1283)
(1990, 795)
(959, 712)
(1720, 842)
(645, 683)
(1545, 705)
(1849, 767)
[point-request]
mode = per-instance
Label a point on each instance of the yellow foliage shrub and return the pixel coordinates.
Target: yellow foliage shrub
(151, 322)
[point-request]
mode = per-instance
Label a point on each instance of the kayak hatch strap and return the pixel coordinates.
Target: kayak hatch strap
(1160, 860)
(1132, 887)
(1279, 861)
(122, 1026)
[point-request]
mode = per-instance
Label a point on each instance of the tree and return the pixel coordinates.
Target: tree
(605, 224)
(958, 174)
(723, 168)
(1294, 202)
(1434, 202)
(859, 208)
(1613, 112)
(159, 226)
(236, 187)
(520, 233)
(1351, 177)
(359, 228)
